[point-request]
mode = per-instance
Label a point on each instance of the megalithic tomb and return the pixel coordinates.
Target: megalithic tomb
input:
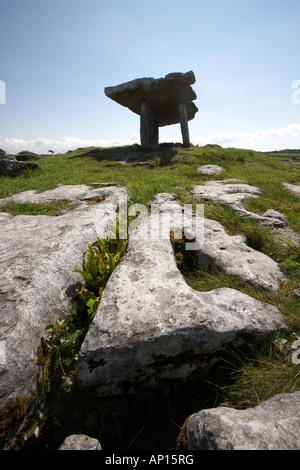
(158, 102)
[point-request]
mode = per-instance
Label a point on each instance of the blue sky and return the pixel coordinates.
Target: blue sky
(57, 56)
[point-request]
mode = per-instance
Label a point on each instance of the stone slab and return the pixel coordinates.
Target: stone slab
(152, 327)
(162, 94)
(38, 256)
(272, 425)
(235, 195)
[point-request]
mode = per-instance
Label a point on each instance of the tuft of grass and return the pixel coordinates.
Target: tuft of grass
(259, 373)
(53, 208)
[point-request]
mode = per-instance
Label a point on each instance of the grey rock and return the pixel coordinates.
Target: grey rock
(231, 193)
(210, 170)
(159, 102)
(80, 442)
(74, 193)
(293, 187)
(273, 425)
(235, 195)
(151, 326)
(219, 250)
(11, 167)
(296, 292)
(27, 157)
(162, 94)
(38, 257)
(166, 202)
(276, 218)
(231, 253)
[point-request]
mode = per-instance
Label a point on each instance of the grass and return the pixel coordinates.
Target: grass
(53, 208)
(260, 370)
(261, 367)
(257, 376)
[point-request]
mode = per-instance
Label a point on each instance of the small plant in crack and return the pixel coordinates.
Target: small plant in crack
(58, 353)
(102, 259)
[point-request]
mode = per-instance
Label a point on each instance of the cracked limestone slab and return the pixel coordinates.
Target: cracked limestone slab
(74, 193)
(232, 254)
(151, 326)
(219, 250)
(235, 195)
(38, 256)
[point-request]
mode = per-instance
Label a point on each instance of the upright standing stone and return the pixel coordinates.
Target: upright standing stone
(159, 102)
(184, 124)
(149, 127)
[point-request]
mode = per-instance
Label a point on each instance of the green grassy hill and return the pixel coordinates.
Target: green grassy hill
(261, 371)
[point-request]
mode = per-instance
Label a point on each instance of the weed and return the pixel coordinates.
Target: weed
(58, 354)
(102, 258)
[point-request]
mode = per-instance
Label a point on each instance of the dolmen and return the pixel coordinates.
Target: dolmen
(158, 102)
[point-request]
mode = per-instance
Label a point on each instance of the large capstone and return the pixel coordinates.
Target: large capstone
(159, 102)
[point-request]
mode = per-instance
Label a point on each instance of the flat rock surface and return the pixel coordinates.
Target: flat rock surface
(162, 94)
(38, 256)
(229, 193)
(151, 326)
(273, 425)
(74, 193)
(232, 254)
(210, 170)
(219, 250)
(235, 194)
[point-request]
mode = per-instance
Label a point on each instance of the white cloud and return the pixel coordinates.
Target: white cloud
(270, 139)
(13, 145)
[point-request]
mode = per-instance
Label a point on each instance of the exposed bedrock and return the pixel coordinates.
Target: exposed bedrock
(273, 425)
(235, 193)
(38, 256)
(151, 326)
